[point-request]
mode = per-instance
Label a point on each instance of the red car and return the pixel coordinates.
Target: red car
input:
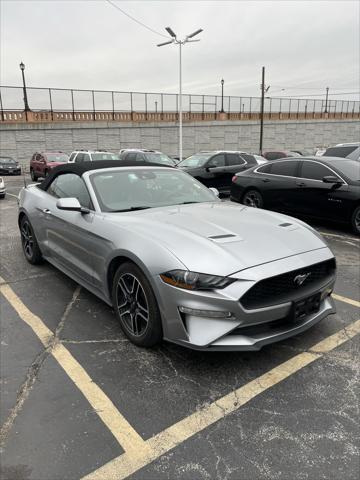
(42, 163)
(277, 154)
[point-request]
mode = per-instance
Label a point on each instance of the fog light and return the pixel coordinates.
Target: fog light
(205, 313)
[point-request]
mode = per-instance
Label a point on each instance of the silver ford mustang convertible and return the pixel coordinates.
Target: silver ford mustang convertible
(174, 261)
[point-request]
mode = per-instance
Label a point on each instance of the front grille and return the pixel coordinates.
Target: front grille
(282, 288)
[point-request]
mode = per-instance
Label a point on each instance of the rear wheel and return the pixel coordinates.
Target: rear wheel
(253, 198)
(136, 307)
(29, 243)
(355, 220)
(33, 176)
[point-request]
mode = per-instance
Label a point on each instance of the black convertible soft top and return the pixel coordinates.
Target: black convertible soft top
(80, 168)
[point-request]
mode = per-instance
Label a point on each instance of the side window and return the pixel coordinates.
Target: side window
(70, 185)
(314, 171)
(250, 159)
(79, 158)
(131, 156)
(217, 160)
(265, 169)
(234, 159)
(86, 157)
(141, 157)
(72, 156)
(284, 168)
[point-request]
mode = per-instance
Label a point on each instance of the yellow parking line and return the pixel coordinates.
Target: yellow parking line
(124, 433)
(128, 463)
(340, 298)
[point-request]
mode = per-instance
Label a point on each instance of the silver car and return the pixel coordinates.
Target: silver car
(174, 261)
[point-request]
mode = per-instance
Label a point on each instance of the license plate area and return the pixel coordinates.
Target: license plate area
(306, 306)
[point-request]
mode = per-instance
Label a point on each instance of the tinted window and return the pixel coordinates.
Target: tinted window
(79, 158)
(70, 185)
(72, 156)
(131, 156)
(284, 168)
(339, 151)
(249, 158)
(234, 159)
(265, 169)
(314, 171)
(217, 160)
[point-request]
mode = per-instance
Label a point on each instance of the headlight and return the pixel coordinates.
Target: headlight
(195, 281)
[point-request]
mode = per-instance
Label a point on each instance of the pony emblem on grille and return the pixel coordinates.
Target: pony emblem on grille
(300, 279)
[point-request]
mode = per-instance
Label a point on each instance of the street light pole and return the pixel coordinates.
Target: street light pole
(222, 96)
(26, 104)
(176, 41)
(326, 100)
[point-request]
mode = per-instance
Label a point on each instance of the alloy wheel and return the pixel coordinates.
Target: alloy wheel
(357, 221)
(252, 199)
(132, 304)
(27, 239)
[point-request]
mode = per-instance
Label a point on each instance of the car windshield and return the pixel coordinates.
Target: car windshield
(350, 168)
(7, 160)
(159, 158)
(104, 156)
(57, 157)
(124, 190)
(197, 160)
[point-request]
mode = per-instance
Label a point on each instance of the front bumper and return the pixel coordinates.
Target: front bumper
(245, 329)
(10, 171)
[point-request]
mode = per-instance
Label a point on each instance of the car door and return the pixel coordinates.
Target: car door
(234, 164)
(317, 198)
(68, 234)
(279, 185)
(214, 172)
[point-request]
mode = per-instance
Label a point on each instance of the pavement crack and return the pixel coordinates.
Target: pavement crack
(102, 340)
(33, 371)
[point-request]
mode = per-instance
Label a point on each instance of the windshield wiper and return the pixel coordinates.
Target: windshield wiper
(131, 209)
(186, 203)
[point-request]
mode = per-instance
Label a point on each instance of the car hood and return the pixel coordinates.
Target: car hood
(222, 238)
(55, 164)
(7, 165)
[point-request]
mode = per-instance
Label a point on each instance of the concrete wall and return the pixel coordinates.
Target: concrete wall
(22, 140)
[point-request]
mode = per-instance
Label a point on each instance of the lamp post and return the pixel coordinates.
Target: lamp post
(222, 96)
(176, 41)
(326, 100)
(26, 104)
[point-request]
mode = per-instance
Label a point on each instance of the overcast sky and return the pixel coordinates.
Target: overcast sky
(305, 46)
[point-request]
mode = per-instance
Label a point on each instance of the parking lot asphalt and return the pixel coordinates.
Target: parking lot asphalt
(78, 400)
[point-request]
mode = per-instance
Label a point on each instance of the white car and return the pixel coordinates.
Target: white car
(2, 188)
(80, 156)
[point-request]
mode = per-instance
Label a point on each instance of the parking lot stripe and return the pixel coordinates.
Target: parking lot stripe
(128, 463)
(124, 433)
(350, 301)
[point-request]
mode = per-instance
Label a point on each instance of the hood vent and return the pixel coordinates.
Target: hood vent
(225, 238)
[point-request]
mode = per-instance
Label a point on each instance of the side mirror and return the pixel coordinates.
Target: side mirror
(215, 191)
(209, 166)
(332, 179)
(71, 204)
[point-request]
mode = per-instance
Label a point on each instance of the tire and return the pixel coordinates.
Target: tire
(2, 195)
(29, 243)
(355, 220)
(136, 307)
(253, 198)
(33, 176)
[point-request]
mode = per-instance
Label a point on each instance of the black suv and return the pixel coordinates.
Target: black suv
(216, 169)
(9, 166)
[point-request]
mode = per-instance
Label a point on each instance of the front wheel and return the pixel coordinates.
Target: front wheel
(29, 243)
(136, 307)
(253, 198)
(355, 220)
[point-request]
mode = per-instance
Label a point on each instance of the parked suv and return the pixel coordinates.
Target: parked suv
(216, 169)
(144, 155)
(80, 156)
(9, 166)
(42, 163)
(344, 150)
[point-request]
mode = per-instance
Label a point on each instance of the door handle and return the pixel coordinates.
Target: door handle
(265, 180)
(47, 211)
(301, 184)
